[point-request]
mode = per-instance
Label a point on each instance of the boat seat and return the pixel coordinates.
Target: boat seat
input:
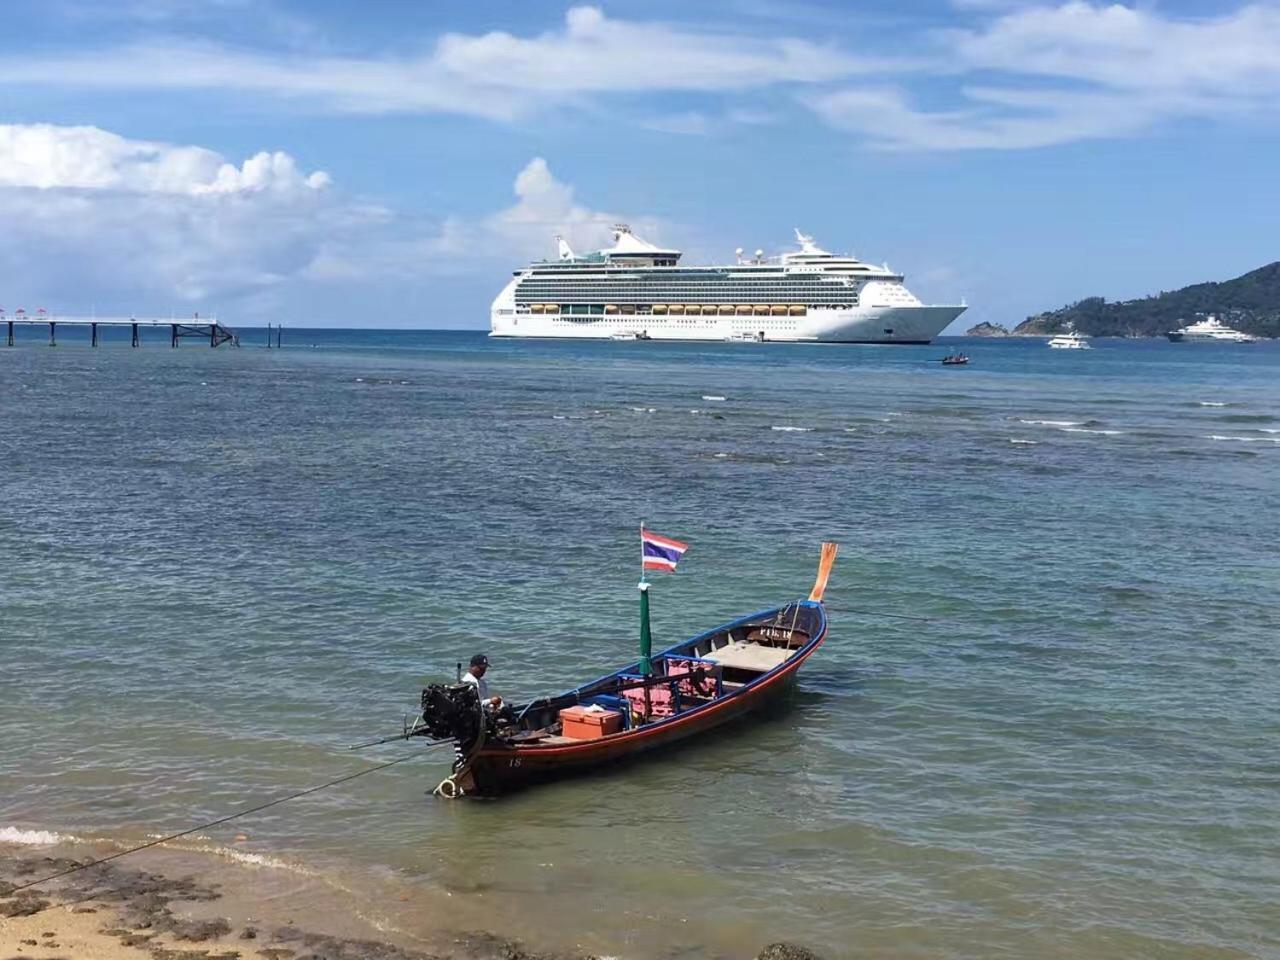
(750, 656)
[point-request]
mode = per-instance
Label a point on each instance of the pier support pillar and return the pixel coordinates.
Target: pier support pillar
(135, 334)
(11, 333)
(268, 336)
(213, 334)
(279, 331)
(53, 331)
(93, 334)
(173, 335)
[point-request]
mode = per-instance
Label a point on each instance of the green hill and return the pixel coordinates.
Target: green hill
(1250, 303)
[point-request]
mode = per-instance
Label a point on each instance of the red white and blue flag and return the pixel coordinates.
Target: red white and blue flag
(660, 553)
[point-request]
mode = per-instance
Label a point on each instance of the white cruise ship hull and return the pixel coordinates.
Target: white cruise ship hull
(1178, 337)
(899, 325)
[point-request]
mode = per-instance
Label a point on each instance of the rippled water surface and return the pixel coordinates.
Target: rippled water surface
(219, 568)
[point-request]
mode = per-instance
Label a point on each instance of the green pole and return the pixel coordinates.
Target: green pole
(646, 639)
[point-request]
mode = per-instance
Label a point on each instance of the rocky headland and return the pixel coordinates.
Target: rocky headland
(1250, 303)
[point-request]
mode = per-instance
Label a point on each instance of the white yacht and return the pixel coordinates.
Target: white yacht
(634, 286)
(1071, 340)
(1209, 330)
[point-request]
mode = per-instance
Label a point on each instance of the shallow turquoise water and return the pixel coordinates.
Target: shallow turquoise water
(220, 568)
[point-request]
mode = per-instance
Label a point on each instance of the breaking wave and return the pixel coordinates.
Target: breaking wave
(32, 838)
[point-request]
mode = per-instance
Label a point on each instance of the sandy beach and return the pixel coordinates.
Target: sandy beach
(174, 904)
(151, 906)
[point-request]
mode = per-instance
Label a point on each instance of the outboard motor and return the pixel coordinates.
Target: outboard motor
(451, 712)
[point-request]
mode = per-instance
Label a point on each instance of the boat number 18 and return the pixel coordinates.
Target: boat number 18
(513, 762)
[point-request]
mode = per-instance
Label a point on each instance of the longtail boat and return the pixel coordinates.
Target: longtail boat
(686, 690)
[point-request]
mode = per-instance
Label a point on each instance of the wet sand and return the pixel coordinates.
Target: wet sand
(178, 904)
(151, 906)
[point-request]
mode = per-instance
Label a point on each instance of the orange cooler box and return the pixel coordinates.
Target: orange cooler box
(585, 723)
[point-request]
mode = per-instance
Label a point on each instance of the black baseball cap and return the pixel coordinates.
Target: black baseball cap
(479, 660)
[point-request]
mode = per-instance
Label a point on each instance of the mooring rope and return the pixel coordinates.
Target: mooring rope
(214, 823)
(892, 616)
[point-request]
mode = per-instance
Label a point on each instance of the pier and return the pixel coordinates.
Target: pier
(202, 328)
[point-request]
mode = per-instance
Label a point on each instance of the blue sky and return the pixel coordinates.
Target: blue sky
(388, 163)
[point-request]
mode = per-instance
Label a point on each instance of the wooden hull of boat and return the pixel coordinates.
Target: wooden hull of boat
(499, 768)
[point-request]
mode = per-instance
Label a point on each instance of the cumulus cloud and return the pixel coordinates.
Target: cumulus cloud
(143, 220)
(544, 207)
(48, 157)
(100, 219)
(1078, 71)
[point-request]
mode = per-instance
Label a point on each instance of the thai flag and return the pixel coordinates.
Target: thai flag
(660, 553)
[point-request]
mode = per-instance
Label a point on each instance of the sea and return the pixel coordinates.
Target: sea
(1044, 723)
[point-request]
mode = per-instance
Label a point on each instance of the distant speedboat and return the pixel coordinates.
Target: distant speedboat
(954, 360)
(1209, 330)
(1071, 340)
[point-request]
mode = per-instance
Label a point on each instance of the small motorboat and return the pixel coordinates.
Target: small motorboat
(685, 691)
(954, 360)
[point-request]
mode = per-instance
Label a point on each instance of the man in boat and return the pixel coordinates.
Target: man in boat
(475, 676)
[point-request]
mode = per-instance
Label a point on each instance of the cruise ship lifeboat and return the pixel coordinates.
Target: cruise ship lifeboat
(796, 310)
(778, 310)
(659, 308)
(610, 308)
(760, 309)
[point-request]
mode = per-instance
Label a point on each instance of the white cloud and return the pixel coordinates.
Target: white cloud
(691, 123)
(544, 208)
(1024, 74)
(497, 75)
(1078, 71)
(148, 221)
(48, 157)
(1126, 48)
(97, 219)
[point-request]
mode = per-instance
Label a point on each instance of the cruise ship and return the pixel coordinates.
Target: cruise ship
(637, 291)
